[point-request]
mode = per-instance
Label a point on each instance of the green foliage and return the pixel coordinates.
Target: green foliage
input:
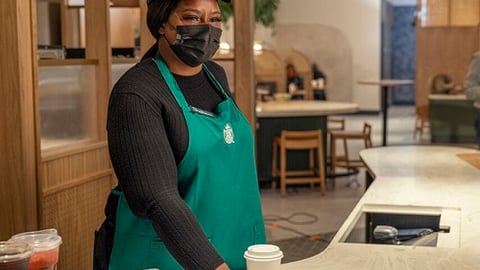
(227, 10)
(264, 11)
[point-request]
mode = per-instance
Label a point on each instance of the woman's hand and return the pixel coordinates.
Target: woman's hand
(223, 266)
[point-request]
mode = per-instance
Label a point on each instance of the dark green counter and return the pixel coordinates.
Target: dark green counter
(452, 120)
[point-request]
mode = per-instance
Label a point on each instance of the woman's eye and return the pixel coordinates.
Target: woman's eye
(216, 19)
(191, 18)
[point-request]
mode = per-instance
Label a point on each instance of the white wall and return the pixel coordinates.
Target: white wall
(359, 21)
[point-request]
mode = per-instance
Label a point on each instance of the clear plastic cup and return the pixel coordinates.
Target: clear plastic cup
(45, 245)
(263, 257)
(14, 255)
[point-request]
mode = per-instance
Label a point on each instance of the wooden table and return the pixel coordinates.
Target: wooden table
(385, 85)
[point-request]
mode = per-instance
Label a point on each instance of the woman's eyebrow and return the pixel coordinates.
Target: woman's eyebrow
(217, 12)
(191, 10)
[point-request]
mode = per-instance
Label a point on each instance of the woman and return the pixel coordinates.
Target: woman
(294, 82)
(183, 154)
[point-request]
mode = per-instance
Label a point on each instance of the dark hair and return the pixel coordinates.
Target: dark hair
(157, 14)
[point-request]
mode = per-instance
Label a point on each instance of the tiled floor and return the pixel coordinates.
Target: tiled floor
(323, 214)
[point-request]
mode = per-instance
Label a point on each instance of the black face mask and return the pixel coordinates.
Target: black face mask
(196, 44)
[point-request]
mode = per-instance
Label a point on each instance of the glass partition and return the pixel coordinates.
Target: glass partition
(68, 106)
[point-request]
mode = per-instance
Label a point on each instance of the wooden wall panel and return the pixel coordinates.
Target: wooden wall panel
(74, 191)
(442, 50)
(60, 169)
(464, 12)
(76, 212)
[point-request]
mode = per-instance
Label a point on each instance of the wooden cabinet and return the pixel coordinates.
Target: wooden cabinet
(433, 13)
(124, 24)
(464, 12)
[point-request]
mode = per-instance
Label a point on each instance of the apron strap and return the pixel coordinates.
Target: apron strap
(116, 192)
(215, 82)
(171, 83)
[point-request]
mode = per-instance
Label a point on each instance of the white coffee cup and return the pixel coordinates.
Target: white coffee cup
(263, 257)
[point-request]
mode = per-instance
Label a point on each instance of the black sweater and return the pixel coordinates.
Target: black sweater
(147, 138)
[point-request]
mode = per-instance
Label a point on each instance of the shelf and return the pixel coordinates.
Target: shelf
(66, 62)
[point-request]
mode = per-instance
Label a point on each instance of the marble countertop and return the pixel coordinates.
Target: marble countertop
(387, 82)
(425, 177)
(303, 108)
(447, 97)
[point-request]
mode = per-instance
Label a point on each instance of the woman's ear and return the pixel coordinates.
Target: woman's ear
(161, 30)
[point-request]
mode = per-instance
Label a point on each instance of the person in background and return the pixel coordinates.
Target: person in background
(318, 74)
(183, 153)
(319, 83)
(294, 82)
(472, 89)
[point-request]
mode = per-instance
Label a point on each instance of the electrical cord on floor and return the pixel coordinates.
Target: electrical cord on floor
(291, 219)
(271, 220)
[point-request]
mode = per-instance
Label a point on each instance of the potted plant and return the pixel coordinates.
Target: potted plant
(264, 11)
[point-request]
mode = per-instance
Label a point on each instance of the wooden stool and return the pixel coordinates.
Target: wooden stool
(335, 124)
(299, 140)
(344, 161)
(420, 125)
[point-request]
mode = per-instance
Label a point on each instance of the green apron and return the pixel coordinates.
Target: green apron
(217, 179)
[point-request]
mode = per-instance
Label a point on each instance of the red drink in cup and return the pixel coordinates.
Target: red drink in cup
(45, 245)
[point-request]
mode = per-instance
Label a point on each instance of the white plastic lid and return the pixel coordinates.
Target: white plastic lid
(46, 231)
(14, 251)
(39, 240)
(263, 252)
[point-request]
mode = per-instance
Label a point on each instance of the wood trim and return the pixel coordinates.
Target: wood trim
(62, 152)
(244, 68)
(124, 60)
(76, 182)
(67, 62)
